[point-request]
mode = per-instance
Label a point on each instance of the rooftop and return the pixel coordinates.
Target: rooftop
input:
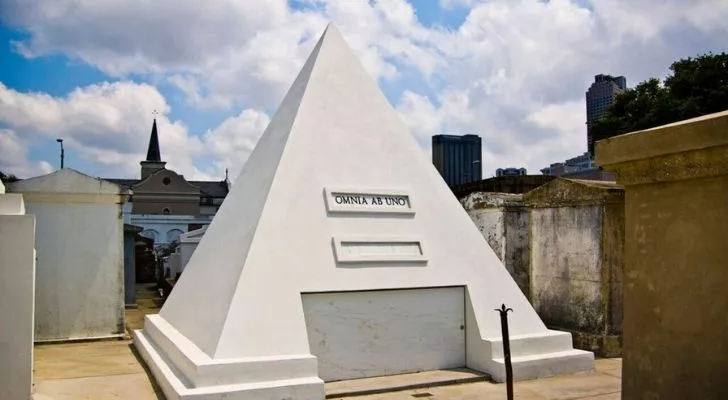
(209, 188)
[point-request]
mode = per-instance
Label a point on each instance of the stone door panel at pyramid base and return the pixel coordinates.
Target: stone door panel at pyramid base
(364, 334)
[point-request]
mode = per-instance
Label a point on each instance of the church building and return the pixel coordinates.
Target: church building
(164, 203)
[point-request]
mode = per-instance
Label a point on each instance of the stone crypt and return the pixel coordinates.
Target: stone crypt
(340, 261)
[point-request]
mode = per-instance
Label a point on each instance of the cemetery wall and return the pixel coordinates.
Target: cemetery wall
(676, 258)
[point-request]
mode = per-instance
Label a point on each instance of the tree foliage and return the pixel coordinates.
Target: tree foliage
(694, 87)
(8, 178)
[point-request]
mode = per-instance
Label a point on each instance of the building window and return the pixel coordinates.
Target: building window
(166, 181)
(165, 211)
(173, 235)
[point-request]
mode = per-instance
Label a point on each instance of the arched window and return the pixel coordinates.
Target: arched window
(173, 234)
(150, 234)
(165, 211)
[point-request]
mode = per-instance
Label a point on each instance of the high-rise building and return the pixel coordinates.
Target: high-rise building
(600, 95)
(458, 158)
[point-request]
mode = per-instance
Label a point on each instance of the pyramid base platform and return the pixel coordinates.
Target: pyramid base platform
(175, 387)
(533, 356)
(184, 372)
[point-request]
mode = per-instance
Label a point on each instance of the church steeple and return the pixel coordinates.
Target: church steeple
(154, 162)
(153, 153)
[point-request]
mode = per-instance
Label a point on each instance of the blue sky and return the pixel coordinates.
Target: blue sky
(512, 71)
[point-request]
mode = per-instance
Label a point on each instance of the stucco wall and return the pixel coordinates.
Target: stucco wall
(503, 222)
(518, 247)
(676, 258)
(577, 239)
(129, 269)
(79, 285)
(566, 266)
(17, 282)
(79, 244)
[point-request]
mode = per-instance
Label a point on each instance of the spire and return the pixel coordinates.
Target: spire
(154, 161)
(153, 153)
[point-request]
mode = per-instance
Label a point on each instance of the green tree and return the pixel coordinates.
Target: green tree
(695, 87)
(8, 178)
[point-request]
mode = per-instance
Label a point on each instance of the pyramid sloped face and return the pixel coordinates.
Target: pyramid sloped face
(200, 302)
(337, 196)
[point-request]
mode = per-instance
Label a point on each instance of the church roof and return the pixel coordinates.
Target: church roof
(211, 188)
(208, 188)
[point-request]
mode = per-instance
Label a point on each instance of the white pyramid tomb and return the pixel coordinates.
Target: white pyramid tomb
(340, 253)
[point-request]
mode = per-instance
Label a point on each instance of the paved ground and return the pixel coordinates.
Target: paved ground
(98, 370)
(108, 370)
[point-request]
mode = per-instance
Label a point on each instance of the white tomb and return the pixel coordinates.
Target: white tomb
(187, 244)
(17, 296)
(340, 253)
(79, 240)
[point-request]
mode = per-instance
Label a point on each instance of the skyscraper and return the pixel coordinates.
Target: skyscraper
(458, 158)
(600, 95)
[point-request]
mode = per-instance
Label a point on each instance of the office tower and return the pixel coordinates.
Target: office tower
(458, 158)
(600, 95)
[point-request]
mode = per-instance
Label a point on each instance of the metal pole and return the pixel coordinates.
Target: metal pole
(61, 142)
(506, 349)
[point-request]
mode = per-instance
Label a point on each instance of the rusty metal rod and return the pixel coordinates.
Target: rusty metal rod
(506, 349)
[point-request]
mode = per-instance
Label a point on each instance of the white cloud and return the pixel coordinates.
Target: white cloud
(234, 139)
(107, 124)
(13, 157)
(222, 54)
(515, 72)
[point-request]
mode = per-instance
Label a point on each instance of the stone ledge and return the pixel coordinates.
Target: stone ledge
(704, 132)
(673, 167)
(601, 344)
(394, 383)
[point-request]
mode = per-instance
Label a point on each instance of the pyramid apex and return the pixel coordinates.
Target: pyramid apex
(331, 30)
